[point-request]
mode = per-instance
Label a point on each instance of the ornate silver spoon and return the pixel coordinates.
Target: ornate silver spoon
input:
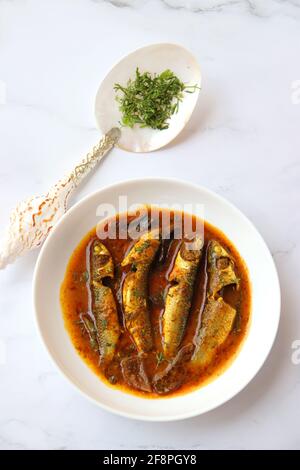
(32, 220)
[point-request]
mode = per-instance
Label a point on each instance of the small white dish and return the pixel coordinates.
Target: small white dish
(155, 58)
(50, 270)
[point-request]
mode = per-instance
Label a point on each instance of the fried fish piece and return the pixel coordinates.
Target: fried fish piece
(217, 323)
(172, 377)
(103, 302)
(134, 373)
(218, 316)
(179, 296)
(135, 289)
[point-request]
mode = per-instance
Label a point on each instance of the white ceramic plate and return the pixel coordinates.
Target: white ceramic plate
(50, 270)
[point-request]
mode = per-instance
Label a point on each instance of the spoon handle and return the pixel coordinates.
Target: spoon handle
(94, 156)
(32, 219)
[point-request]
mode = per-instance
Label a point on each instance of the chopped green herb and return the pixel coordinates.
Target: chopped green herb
(131, 348)
(159, 358)
(143, 246)
(84, 276)
(97, 295)
(133, 267)
(112, 379)
(94, 343)
(137, 292)
(89, 328)
(150, 100)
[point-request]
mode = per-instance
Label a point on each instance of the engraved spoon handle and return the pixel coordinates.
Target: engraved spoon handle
(32, 219)
(94, 156)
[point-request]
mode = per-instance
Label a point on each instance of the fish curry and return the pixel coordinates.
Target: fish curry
(155, 316)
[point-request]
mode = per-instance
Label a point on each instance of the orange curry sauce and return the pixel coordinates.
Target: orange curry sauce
(75, 298)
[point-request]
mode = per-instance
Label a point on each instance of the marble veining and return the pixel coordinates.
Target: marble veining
(265, 9)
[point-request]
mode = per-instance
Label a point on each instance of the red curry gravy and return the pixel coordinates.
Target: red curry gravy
(75, 299)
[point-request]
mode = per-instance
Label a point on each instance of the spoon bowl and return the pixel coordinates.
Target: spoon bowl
(154, 59)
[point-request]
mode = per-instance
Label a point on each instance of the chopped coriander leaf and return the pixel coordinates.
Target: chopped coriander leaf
(150, 100)
(137, 292)
(133, 267)
(143, 247)
(84, 276)
(159, 358)
(112, 379)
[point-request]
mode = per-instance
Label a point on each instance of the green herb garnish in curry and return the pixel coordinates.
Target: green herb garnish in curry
(157, 328)
(150, 100)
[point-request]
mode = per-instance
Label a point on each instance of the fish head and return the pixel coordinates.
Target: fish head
(188, 258)
(102, 262)
(143, 251)
(190, 250)
(221, 268)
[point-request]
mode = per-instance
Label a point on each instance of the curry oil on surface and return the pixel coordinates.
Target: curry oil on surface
(75, 299)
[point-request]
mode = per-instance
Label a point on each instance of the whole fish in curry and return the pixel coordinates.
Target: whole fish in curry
(218, 316)
(104, 308)
(157, 317)
(179, 297)
(135, 289)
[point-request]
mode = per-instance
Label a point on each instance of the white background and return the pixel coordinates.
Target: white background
(242, 142)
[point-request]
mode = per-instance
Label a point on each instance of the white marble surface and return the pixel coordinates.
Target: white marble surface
(243, 142)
